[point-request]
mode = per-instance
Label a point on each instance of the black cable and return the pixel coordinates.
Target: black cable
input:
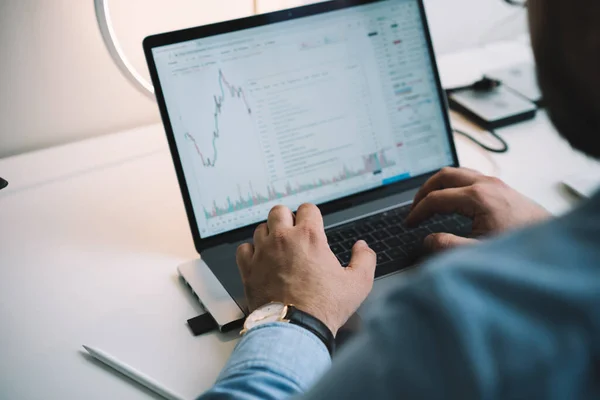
(501, 150)
(486, 84)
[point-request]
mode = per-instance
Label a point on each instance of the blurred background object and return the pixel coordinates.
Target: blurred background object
(58, 83)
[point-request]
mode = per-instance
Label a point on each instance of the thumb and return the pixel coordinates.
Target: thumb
(363, 258)
(445, 241)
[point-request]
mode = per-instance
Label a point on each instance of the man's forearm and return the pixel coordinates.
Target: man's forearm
(272, 361)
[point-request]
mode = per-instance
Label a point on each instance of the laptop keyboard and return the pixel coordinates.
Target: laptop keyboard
(397, 246)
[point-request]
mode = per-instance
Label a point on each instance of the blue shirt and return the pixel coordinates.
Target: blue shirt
(513, 318)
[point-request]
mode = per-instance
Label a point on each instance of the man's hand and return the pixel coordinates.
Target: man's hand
(494, 206)
(290, 262)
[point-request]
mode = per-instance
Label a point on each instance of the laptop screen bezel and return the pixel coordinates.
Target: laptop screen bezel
(200, 32)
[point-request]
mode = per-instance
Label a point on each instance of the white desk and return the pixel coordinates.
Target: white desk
(91, 234)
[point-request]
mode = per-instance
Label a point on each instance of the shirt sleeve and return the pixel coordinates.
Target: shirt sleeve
(272, 361)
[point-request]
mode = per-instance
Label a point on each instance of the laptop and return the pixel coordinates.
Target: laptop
(337, 104)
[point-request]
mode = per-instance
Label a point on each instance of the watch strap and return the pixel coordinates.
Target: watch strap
(312, 324)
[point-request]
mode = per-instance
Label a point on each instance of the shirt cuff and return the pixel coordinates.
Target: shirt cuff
(281, 348)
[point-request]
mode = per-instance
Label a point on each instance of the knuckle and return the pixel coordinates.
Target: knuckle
(435, 241)
(260, 228)
(366, 265)
(307, 206)
(478, 190)
(432, 196)
(242, 250)
(370, 251)
(442, 241)
(494, 181)
(310, 232)
(278, 209)
(444, 172)
(242, 255)
(280, 235)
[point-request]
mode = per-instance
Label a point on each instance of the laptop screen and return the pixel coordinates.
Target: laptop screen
(307, 110)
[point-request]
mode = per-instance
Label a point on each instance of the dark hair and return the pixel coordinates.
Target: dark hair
(566, 42)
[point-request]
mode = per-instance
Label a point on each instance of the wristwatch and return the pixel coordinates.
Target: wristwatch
(279, 312)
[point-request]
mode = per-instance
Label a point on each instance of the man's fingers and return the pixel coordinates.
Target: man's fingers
(444, 241)
(280, 217)
(260, 234)
(447, 201)
(243, 256)
(309, 214)
(445, 179)
(363, 258)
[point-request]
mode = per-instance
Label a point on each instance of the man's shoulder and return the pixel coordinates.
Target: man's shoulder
(497, 311)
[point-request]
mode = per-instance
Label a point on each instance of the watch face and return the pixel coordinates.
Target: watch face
(271, 312)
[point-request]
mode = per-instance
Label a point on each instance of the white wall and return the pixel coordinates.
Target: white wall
(58, 84)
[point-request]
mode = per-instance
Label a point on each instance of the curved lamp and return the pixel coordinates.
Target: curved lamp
(116, 51)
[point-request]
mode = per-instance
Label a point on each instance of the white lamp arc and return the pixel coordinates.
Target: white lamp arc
(116, 52)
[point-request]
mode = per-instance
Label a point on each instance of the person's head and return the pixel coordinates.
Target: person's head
(565, 35)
